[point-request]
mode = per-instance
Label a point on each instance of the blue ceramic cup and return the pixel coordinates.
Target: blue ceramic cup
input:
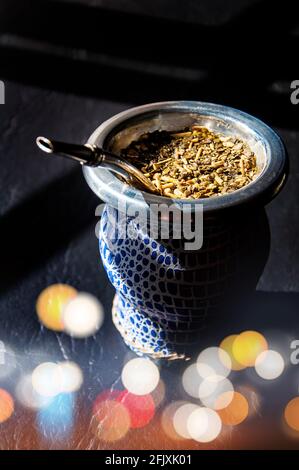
(164, 291)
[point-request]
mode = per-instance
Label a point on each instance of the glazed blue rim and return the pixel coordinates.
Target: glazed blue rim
(264, 188)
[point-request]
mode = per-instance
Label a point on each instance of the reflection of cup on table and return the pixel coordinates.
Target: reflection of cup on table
(165, 291)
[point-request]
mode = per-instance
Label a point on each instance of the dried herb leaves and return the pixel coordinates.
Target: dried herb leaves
(195, 163)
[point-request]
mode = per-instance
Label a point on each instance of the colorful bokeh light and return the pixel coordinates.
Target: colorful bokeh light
(83, 316)
(167, 419)
(6, 405)
(50, 379)
(269, 365)
(291, 414)
(216, 392)
(204, 425)
(158, 394)
(50, 305)
(180, 419)
(71, 377)
(141, 408)
(209, 387)
(236, 411)
(107, 395)
(46, 379)
(227, 345)
(247, 346)
(28, 397)
(56, 420)
(213, 361)
(140, 376)
(191, 380)
(112, 420)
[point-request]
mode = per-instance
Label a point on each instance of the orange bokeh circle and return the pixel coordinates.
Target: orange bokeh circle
(6, 405)
(50, 305)
(227, 345)
(236, 411)
(113, 420)
(247, 346)
(291, 413)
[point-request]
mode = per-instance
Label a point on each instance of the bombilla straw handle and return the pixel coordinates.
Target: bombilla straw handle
(91, 155)
(85, 154)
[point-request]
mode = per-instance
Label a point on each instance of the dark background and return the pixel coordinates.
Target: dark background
(69, 65)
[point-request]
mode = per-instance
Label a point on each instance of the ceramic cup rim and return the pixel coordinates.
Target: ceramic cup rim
(264, 188)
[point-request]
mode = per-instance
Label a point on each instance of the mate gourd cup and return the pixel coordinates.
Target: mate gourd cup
(165, 293)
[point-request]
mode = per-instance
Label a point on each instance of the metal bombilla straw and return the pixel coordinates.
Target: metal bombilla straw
(94, 156)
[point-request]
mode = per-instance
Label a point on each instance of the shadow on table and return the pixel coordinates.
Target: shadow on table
(137, 59)
(42, 225)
